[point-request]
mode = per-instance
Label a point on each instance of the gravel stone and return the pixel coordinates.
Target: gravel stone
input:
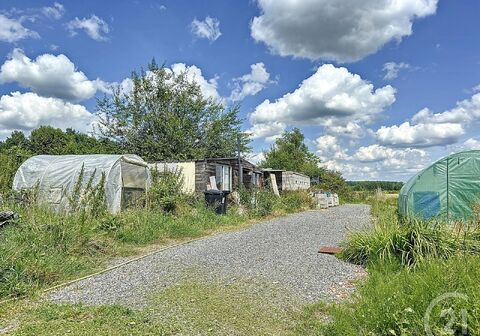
(280, 251)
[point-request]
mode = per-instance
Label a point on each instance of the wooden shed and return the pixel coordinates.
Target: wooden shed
(226, 171)
(287, 180)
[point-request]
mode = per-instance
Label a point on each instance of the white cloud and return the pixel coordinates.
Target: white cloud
(342, 30)
(472, 144)
(55, 11)
(392, 69)
(331, 97)
(194, 74)
(465, 111)
(94, 27)
(349, 130)
(420, 135)
(350, 171)
(428, 129)
(269, 131)
(252, 83)
(328, 148)
(12, 30)
(255, 158)
(49, 75)
(27, 111)
(390, 157)
(208, 28)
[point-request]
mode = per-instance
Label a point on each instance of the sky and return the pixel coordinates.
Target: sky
(380, 88)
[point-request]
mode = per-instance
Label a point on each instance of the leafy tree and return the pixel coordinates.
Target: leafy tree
(166, 117)
(48, 140)
(290, 153)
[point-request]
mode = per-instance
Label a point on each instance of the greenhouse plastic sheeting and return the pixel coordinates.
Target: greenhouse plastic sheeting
(449, 188)
(55, 176)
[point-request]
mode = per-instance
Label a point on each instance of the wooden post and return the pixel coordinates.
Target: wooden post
(240, 169)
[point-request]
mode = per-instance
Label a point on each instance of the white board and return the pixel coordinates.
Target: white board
(273, 179)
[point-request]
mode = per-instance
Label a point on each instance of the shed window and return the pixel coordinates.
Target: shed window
(223, 176)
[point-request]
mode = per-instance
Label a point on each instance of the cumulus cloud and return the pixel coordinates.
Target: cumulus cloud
(389, 156)
(55, 11)
(94, 27)
(349, 170)
(428, 129)
(269, 131)
(392, 69)
(27, 111)
(208, 28)
(465, 111)
(194, 74)
(343, 30)
(329, 148)
(49, 75)
(420, 135)
(330, 97)
(12, 30)
(251, 83)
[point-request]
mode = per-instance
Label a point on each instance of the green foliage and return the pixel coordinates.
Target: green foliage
(290, 153)
(165, 192)
(411, 242)
(46, 140)
(395, 302)
(166, 117)
(293, 201)
(10, 159)
(374, 185)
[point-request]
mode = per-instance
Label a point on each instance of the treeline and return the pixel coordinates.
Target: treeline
(50, 141)
(374, 185)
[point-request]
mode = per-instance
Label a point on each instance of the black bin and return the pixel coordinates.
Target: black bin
(217, 200)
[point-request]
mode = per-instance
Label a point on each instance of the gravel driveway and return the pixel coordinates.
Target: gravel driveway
(281, 251)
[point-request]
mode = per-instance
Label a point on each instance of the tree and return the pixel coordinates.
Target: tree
(290, 153)
(166, 117)
(48, 140)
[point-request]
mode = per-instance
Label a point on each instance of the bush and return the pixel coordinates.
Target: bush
(258, 202)
(165, 192)
(292, 201)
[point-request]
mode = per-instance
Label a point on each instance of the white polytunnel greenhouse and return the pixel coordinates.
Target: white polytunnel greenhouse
(54, 177)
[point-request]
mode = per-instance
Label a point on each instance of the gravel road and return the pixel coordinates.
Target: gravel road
(280, 251)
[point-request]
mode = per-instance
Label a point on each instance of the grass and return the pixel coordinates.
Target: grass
(410, 264)
(44, 248)
(409, 242)
(192, 307)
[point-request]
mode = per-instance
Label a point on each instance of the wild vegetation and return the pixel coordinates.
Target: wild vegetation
(166, 117)
(410, 264)
(374, 185)
(291, 153)
(43, 248)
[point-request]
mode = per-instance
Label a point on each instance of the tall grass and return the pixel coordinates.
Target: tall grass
(410, 241)
(410, 264)
(45, 247)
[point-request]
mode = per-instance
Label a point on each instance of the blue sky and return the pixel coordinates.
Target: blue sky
(380, 88)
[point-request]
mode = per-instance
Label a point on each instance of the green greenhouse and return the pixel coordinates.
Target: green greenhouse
(449, 188)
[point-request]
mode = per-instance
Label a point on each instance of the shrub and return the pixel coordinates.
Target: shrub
(292, 201)
(259, 202)
(165, 192)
